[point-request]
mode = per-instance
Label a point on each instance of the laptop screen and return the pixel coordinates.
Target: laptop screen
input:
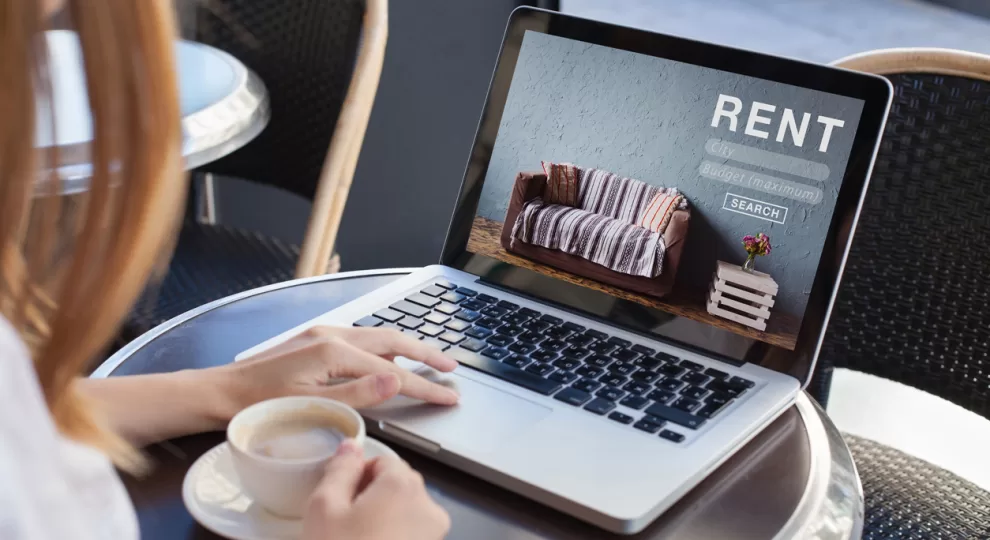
(700, 200)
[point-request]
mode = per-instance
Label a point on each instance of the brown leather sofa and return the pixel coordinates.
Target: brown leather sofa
(528, 186)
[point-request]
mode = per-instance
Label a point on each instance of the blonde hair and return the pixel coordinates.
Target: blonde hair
(72, 267)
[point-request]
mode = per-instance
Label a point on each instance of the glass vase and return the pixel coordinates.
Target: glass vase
(750, 264)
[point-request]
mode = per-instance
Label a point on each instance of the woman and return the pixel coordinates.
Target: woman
(70, 272)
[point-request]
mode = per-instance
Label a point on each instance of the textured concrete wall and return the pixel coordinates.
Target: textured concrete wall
(650, 119)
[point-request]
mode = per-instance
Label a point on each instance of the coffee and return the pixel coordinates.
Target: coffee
(303, 434)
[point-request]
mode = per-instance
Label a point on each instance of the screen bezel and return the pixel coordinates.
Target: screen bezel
(873, 90)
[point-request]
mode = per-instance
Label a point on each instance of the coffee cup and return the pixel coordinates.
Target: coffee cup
(280, 448)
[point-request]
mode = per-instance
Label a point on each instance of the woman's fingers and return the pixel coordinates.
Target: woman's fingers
(367, 391)
(355, 362)
(391, 343)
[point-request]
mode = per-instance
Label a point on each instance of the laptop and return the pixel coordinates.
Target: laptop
(613, 349)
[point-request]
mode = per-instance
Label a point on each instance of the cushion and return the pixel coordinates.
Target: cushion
(656, 216)
(614, 196)
(562, 183)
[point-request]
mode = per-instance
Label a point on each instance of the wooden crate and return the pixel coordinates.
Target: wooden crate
(740, 296)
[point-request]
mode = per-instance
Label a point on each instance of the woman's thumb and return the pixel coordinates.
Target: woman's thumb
(367, 391)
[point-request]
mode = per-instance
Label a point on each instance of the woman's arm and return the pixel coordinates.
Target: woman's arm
(146, 409)
(149, 408)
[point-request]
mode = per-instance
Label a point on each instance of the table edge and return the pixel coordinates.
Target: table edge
(108, 366)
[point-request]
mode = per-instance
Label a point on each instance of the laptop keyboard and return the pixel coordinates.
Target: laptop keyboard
(578, 366)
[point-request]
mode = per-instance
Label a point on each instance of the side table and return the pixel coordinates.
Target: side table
(796, 479)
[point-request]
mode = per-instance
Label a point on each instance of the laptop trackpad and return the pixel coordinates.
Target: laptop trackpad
(484, 418)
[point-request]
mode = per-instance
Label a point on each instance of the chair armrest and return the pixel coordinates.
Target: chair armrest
(527, 187)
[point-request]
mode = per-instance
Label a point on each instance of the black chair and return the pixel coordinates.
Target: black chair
(320, 61)
(914, 305)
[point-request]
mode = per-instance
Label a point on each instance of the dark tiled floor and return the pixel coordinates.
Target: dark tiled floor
(815, 30)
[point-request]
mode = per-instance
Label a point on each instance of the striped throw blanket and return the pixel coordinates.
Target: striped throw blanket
(619, 246)
(603, 228)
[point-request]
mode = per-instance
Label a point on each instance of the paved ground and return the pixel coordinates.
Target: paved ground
(816, 30)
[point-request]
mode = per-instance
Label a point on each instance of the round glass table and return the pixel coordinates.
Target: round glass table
(795, 479)
(224, 106)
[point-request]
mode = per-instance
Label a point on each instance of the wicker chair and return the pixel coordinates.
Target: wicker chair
(914, 306)
(321, 61)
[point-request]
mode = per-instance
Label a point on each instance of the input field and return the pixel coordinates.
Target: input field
(760, 182)
(769, 160)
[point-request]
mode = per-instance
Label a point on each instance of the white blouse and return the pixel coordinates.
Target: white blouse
(50, 487)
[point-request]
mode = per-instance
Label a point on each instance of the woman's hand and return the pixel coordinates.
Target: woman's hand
(380, 499)
(315, 362)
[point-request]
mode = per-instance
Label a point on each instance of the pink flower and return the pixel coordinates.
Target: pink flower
(757, 245)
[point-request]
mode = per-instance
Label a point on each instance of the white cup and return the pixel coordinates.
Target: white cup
(282, 486)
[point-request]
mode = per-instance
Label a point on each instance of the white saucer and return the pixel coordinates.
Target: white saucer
(212, 494)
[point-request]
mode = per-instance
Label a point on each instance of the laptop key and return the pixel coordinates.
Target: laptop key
(551, 319)
(434, 291)
(490, 323)
(543, 356)
(503, 371)
(499, 340)
(671, 385)
(589, 371)
(497, 353)
(643, 349)
(561, 376)
(613, 379)
(587, 385)
(580, 340)
(739, 381)
(575, 352)
(530, 337)
(695, 378)
(436, 343)
(667, 357)
(676, 416)
(452, 337)
(553, 345)
(466, 292)
(670, 370)
(647, 362)
(603, 347)
(711, 409)
(723, 388)
(473, 305)
(478, 332)
(423, 300)
(671, 436)
(529, 313)
(447, 309)
(514, 318)
(508, 305)
(595, 334)
(610, 393)
(473, 345)
(557, 332)
(573, 327)
(411, 323)
(458, 326)
(443, 283)
(621, 418)
(436, 318)
(388, 315)
(510, 330)
(537, 325)
(368, 322)
(600, 406)
(661, 396)
(716, 374)
(518, 361)
(623, 368)
(540, 369)
(647, 426)
(694, 392)
(635, 402)
(624, 343)
(409, 308)
(645, 376)
(522, 348)
(625, 355)
(694, 366)
(486, 298)
(494, 311)
(566, 363)
(599, 361)
(430, 330)
(636, 388)
(453, 298)
(572, 396)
